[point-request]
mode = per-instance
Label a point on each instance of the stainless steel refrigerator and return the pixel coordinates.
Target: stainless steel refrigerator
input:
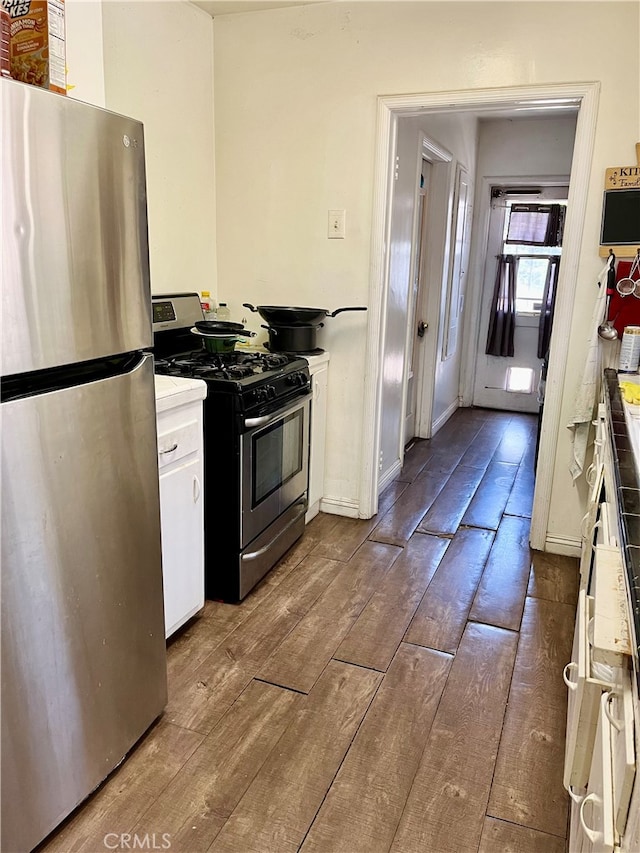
(83, 650)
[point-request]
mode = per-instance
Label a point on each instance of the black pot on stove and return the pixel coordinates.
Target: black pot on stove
(292, 338)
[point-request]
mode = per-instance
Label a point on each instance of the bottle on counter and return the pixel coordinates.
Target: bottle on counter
(208, 305)
(630, 350)
(223, 312)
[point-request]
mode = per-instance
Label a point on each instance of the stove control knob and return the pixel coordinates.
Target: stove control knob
(261, 395)
(296, 379)
(271, 392)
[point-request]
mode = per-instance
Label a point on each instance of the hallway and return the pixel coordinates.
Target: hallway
(392, 685)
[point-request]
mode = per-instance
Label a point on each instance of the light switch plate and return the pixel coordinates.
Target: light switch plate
(336, 224)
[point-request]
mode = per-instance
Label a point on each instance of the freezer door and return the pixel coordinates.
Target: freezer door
(75, 257)
(83, 649)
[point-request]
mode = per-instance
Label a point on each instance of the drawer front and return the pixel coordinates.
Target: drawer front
(619, 713)
(596, 809)
(585, 692)
(179, 441)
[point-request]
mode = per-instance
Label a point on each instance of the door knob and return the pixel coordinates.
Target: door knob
(422, 328)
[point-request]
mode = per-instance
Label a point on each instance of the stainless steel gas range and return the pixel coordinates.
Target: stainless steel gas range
(256, 447)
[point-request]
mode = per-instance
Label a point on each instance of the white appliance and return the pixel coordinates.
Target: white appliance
(180, 465)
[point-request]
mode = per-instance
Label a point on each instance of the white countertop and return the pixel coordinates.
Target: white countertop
(174, 391)
(320, 358)
(632, 417)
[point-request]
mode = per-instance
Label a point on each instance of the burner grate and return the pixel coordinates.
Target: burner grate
(273, 360)
(242, 368)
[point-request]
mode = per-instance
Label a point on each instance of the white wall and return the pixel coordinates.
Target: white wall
(84, 51)
(509, 147)
(295, 95)
(158, 59)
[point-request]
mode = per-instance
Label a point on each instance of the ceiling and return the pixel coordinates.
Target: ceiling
(215, 8)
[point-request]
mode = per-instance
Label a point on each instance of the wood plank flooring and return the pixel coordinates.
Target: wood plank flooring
(394, 684)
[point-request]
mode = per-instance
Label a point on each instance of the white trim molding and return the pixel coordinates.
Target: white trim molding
(561, 545)
(390, 475)
(444, 417)
(389, 109)
(340, 506)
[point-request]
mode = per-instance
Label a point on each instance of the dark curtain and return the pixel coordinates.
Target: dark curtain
(548, 304)
(536, 224)
(502, 322)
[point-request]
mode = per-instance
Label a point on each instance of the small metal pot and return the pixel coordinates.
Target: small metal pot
(292, 338)
(218, 345)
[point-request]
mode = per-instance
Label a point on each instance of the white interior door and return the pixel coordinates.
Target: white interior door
(417, 325)
(512, 383)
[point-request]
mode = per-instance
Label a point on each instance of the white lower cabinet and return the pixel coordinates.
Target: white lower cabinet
(596, 808)
(182, 546)
(619, 713)
(600, 755)
(318, 368)
(583, 703)
(180, 465)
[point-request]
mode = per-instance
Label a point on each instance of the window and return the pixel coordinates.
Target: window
(520, 380)
(532, 266)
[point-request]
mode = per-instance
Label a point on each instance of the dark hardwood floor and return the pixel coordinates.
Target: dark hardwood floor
(392, 685)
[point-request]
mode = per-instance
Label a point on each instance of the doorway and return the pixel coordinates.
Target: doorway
(584, 97)
(514, 382)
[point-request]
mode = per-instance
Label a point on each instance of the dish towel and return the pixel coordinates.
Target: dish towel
(600, 354)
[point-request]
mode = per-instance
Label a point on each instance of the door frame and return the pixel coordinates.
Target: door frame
(389, 110)
(435, 247)
(421, 214)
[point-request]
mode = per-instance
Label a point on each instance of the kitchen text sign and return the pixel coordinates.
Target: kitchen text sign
(622, 178)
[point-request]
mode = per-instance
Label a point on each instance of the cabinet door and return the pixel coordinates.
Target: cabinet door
(181, 510)
(583, 700)
(619, 712)
(596, 810)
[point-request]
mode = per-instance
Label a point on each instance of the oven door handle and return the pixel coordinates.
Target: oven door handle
(253, 555)
(252, 423)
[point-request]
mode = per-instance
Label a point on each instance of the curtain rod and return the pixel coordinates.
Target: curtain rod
(498, 192)
(518, 255)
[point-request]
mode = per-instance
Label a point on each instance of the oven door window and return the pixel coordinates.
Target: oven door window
(277, 455)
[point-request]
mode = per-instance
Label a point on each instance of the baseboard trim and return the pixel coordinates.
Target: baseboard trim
(563, 545)
(340, 506)
(444, 417)
(390, 475)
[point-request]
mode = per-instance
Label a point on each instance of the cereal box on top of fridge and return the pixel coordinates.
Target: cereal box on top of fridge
(5, 37)
(37, 45)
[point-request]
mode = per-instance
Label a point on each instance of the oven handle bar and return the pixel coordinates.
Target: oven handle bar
(253, 555)
(252, 423)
